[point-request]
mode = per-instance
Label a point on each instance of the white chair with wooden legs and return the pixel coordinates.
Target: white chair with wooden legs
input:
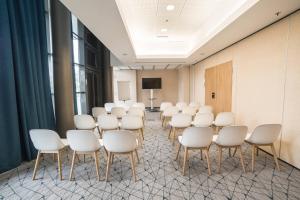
(190, 110)
(205, 109)
(119, 112)
(83, 142)
(264, 135)
(86, 122)
(96, 111)
(203, 120)
(230, 137)
(133, 123)
(194, 138)
(178, 122)
(181, 105)
(46, 142)
(139, 105)
(195, 105)
(120, 142)
(107, 122)
(109, 106)
(168, 113)
(137, 111)
(163, 106)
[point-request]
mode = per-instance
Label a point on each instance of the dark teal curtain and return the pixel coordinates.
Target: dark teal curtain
(25, 98)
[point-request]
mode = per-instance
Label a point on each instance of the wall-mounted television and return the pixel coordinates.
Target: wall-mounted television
(151, 83)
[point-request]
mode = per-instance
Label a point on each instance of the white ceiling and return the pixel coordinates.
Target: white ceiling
(196, 28)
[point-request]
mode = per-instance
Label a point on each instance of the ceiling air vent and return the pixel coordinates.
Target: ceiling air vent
(162, 36)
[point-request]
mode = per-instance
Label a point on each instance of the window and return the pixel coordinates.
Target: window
(49, 48)
(79, 66)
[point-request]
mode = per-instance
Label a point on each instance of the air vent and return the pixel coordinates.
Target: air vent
(162, 36)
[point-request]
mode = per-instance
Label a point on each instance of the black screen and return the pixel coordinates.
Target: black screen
(151, 83)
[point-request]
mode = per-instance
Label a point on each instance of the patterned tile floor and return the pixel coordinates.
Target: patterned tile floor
(159, 176)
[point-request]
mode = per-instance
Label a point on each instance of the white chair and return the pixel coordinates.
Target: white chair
(136, 111)
(120, 142)
(195, 105)
(86, 122)
(46, 141)
(195, 138)
(190, 110)
(178, 122)
(203, 120)
(96, 111)
(83, 142)
(163, 106)
(168, 113)
(181, 105)
(264, 135)
(119, 112)
(230, 137)
(205, 109)
(107, 122)
(109, 106)
(133, 123)
(139, 105)
(224, 119)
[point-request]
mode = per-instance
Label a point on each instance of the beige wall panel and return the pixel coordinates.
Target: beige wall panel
(169, 91)
(184, 84)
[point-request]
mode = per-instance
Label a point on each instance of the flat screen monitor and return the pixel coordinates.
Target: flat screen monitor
(151, 83)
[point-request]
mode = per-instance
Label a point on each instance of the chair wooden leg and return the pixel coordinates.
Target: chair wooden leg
(229, 152)
(185, 159)
(72, 165)
(179, 146)
(253, 158)
(108, 163)
(220, 159)
(132, 166)
(137, 155)
(234, 152)
(37, 161)
(100, 132)
(142, 133)
(275, 156)
(174, 134)
(208, 160)
(241, 158)
(257, 149)
(201, 154)
(96, 164)
(59, 165)
(112, 158)
(170, 132)
(162, 121)
(84, 158)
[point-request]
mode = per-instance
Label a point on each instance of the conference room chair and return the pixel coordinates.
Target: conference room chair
(163, 106)
(195, 138)
(190, 110)
(109, 106)
(195, 105)
(139, 105)
(121, 142)
(119, 112)
(96, 111)
(224, 119)
(138, 111)
(230, 137)
(205, 109)
(264, 135)
(133, 123)
(178, 122)
(107, 122)
(168, 113)
(86, 122)
(181, 105)
(47, 142)
(203, 120)
(83, 142)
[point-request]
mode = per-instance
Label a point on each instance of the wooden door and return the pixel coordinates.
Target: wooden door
(218, 87)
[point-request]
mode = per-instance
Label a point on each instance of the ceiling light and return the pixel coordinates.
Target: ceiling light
(170, 7)
(163, 30)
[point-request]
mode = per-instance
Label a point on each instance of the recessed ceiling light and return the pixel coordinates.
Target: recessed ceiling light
(170, 7)
(163, 30)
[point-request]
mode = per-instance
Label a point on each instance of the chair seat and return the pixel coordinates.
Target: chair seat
(179, 125)
(65, 142)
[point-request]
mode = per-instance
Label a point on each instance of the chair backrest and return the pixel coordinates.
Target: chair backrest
(181, 105)
(119, 112)
(197, 136)
(232, 135)
(195, 105)
(224, 119)
(205, 109)
(170, 111)
(131, 122)
(96, 111)
(82, 140)
(139, 105)
(265, 134)
(181, 120)
(164, 105)
(120, 141)
(190, 110)
(84, 122)
(107, 122)
(136, 111)
(44, 139)
(203, 119)
(109, 106)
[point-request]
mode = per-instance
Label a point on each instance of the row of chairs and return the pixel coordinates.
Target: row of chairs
(84, 142)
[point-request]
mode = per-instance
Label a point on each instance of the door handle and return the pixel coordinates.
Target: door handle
(213, 95)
